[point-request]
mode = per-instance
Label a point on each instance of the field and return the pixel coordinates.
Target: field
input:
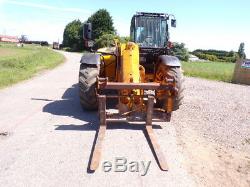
(20, 63)
(209, 70)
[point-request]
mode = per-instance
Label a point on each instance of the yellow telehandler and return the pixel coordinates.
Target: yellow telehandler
(141, 75)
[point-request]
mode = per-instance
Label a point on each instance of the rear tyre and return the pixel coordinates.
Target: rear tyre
(176, 74)
(87, 86)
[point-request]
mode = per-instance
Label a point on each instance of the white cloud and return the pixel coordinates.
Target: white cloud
(37, 28)
(43, 6)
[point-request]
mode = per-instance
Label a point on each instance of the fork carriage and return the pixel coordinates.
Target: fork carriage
(148, 116)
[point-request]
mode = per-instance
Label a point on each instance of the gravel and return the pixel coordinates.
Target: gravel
(218, 111)
(213, 129)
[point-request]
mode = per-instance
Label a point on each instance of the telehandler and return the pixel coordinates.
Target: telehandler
(141, 75)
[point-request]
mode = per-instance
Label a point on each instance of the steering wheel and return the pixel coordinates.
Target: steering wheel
(148, 40)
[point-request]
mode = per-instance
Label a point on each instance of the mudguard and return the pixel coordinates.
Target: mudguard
(90, 58)
(169, 60)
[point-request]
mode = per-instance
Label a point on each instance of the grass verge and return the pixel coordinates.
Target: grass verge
(17, 64)
(209, 70)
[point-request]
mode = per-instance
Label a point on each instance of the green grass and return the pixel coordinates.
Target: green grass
(209, 70)
(17, 64)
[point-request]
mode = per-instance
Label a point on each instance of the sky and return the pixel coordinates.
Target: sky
(201, 24)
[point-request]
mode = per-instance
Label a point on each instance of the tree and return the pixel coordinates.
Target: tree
(102, 23)
(106, 40)
(73, 36)
(216, 55)
(23, 39)
(124, 39)
(180, 51)
(241, 51)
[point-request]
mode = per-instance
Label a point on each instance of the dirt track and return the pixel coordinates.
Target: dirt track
(50, 138)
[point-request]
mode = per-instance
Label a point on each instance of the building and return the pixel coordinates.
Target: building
(193, 58)
(11, 39)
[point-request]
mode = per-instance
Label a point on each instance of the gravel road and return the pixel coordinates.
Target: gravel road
(50, 138)
(46, 138)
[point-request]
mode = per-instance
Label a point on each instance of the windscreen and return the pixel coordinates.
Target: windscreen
(151, 31)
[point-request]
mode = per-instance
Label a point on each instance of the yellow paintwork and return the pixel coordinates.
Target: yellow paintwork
(110, 67)
(129, 71)
(130, 63)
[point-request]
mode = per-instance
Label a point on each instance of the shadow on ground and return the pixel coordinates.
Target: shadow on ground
(70, 106)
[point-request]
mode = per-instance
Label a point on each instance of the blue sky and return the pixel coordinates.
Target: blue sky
(210, 24)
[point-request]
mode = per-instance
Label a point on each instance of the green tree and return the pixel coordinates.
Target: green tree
(72, 36)
(180, 51)
(102, 23)
(23, 38)
(106, 40)
(216, 55)
(241, 51)
(124, 39)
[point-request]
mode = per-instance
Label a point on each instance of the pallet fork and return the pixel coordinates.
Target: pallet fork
(151, 114)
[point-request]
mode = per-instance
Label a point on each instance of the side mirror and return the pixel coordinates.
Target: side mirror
(87, 31)
(87, 35)
(173, 23)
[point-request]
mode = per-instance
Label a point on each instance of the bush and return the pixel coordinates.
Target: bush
(180, 51)
(73, 35)
(216, 55)
(106, 40)
(124, 39)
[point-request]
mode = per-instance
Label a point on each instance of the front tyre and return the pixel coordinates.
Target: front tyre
(87, 86)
